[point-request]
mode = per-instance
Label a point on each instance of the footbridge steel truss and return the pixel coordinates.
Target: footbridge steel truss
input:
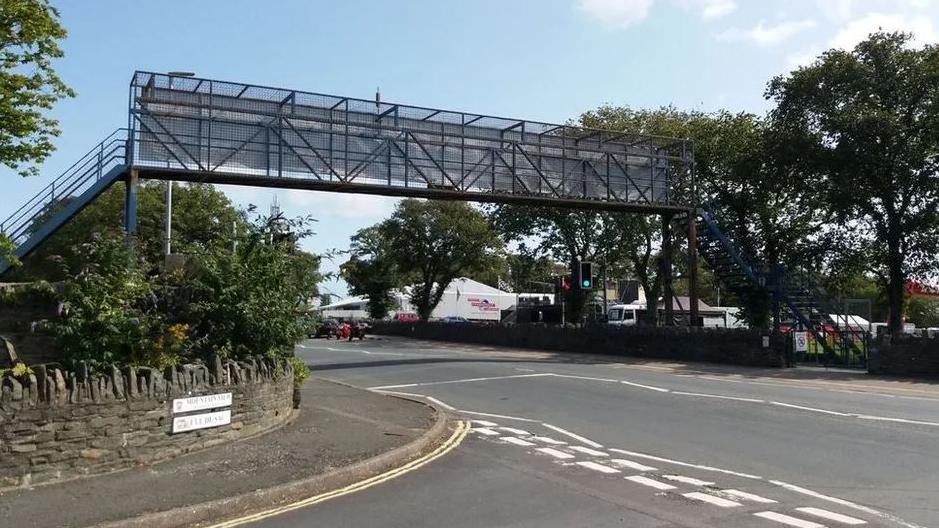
(192, 129)
(202, 130)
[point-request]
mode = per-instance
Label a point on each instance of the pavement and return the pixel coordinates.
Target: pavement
(582, 440)
(338, 427)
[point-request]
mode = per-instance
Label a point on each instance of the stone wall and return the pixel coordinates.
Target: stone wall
(57, 424)
(905, 356)
(717, 345)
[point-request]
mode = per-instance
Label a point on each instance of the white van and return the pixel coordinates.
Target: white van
(624, 314)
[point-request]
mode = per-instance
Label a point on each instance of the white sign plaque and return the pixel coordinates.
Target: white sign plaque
(201, 403)
(192, 422)
(802, 341)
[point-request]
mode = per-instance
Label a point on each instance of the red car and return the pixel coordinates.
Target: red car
(406, 317)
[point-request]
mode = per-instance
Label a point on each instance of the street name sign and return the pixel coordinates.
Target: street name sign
(192, 422)
(201, 403)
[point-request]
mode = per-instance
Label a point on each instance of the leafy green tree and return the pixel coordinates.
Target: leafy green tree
(862, 126)
(29, 41)
(202, 217)
(923, 311)
(371, 271)
(435, 242)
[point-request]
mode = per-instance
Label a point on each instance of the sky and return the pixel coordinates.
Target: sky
(544, 60)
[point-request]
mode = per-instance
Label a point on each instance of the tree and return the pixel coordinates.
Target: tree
(29, 40)
(371, 271)
(566, 236)
(434, 242)
(923, 311)
(863, 126)
(202, 217)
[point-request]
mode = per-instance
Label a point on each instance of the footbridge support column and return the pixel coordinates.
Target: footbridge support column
(693, 316)
(130, 207)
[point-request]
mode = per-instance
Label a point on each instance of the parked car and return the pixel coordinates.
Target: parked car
(406, 317)
(453, 319)
(328, 329)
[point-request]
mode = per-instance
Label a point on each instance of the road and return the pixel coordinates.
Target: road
(578, 440)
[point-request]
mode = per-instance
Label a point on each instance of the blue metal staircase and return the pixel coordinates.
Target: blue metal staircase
(66, 196)
(795, 291)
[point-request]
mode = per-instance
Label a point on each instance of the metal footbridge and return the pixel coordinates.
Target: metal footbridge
(202, 130)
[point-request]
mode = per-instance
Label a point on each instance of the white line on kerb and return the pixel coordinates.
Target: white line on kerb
(812, 409)
(645, 481)
(711, 499)
(597, 467)
(555, 453)
(466, 380)
(577, 437)
(686, 464)
(832, 516)
(785, 519)
(588, 451)
(516, 441)
(440, 403)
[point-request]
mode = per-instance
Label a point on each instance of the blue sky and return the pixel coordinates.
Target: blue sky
(545, 60)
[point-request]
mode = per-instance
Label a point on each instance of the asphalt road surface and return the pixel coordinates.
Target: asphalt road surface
(562, 440)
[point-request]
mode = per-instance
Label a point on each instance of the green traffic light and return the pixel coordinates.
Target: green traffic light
(586, 284)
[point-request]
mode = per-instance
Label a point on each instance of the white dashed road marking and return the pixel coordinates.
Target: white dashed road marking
(711, 499)
(516, 441)
(812, 409)
(549, 440)
(597, 467)
(588, 451)
(516, 431)
(485, 430)
(832, 516)
(791, 521)
(645, 481)
(579, 438)
(631, 465)
(748, 496)
(485, 423)
(688, 480)
(718, 396)
(555, 453)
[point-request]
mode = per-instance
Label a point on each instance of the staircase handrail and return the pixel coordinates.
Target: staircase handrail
(93, 164)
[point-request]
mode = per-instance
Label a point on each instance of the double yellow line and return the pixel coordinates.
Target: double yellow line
(455, 439)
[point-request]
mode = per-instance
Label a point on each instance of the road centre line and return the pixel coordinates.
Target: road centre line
(718, 396)
(577, 437)
(466, 380)
(812, 409)
(832, 516)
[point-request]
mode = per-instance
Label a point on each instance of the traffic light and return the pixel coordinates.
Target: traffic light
(586, 275)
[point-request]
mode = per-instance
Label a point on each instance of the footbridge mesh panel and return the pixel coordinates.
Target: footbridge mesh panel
(275, 135)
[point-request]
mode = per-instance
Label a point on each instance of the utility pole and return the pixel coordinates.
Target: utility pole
(168, 219)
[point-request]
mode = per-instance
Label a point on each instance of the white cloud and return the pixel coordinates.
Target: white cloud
(858, 29)
(768, 35)
(616, 13)
(710, 9)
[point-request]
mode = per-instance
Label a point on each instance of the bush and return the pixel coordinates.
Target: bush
(300, 370)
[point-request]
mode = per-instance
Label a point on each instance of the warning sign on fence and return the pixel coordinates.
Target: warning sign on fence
(802, 341)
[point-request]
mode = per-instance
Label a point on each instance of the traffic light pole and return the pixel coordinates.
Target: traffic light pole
(693, 267)
(666, 263)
